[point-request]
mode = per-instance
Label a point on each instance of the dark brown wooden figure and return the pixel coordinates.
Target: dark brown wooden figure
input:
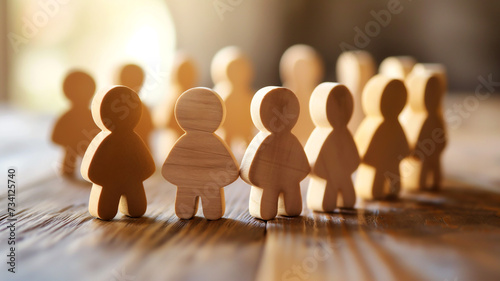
(133, 76)
(200, 164)
(275, 162)
(75, 129)
(425, 130)
(117, 161)
(331, 149)
(380, 139)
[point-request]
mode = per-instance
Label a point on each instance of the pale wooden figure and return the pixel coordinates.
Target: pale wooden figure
(433, 68)
(117, 161)
(75, 129)
(132, 76)
(354, 69)
(331, 149)
(380, 139)
(397, 67)
(301, 70)
(425, 130)
(232, 74)
(275, 162)
(200, 164)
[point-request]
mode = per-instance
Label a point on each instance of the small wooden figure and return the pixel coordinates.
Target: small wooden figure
(331, 150)
(75, 129)
(397, 67)
(433, 68)
(380, 139)
(117, 161)
(200, 164)
(425, 130)
(132, 76)
(354, 69)
(232, 74)
(301, 70)
(275, 162)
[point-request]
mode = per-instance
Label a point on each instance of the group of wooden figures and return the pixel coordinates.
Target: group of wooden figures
(304, 129)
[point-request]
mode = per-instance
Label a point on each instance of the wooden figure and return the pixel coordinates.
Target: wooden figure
(183, 78)
(301, 70)
(397, 67)
(117, 161)
(331, 149)
(200, 164)
(132, 76)
(425, 130)
(275, 162)
(354, 69)
(433, 68)
(380, 139)
(232, 74)
(75, 129)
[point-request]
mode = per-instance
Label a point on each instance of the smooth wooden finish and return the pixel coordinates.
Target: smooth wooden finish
(301, 70)
(331, 150)
(425, 131)
(275, 162)
(75, 129)
(380, 139)
(200, 164)
(433, 68)
(117, 161)
(397, 67)
(232, 74)
(354, 69)
(132, 76)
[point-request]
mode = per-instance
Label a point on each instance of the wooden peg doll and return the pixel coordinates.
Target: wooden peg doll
(425, 130)
(132, 76)
(275, 162)
(232, 75)
(397, 67)
(301, 70)
(200, 164)
(75, 129)
(354, 69)
(117, 161)
(331, 150)
(380, 139)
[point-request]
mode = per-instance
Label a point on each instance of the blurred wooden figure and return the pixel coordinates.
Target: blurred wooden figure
(425, 130)
(331, 149)
(117, 161)
(133, 76)
(200, 164)
(397, 67)
(232, 75)
(354, 69)
(380, 139)
(301, 70)
(275, 162)
(75, 129)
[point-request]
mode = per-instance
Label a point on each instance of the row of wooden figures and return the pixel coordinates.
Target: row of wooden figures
(200, 163)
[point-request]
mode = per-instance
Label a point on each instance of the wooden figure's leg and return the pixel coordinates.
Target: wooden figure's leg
(186, 202)
(214, 204)
(290, 202)
(134, 203)
(69, 163)
(436, 175)
(365, 183)
(394, 180)
(263, 203)
(424, 174)
(348, 195)
(379, 186)
(411, 172)
(316, 194)
(330, 197)
(103, 204)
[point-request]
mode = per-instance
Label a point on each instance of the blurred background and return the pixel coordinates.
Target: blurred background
(41, 40)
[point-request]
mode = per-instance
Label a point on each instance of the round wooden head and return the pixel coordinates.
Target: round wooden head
(200, 109)
(184, 71)
(132, 76)
(230, 63)
(425, 91)
(118, 108)
(397, 67)
(331, 105)
(79, 87)
(275, 109)
(384, 96)
(301, 63)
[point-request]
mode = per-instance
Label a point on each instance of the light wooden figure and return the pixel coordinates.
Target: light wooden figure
(354, 69)
(200, 164)
(117, 161)
(331, 149)
(435, 69)
(301, 70)
(75, 129)
(380, 139)
(232, 75)
(132, 76)
(397, 67)
(275, 162)
(425, 130)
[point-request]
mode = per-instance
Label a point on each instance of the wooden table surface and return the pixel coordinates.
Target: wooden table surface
(450, 235)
